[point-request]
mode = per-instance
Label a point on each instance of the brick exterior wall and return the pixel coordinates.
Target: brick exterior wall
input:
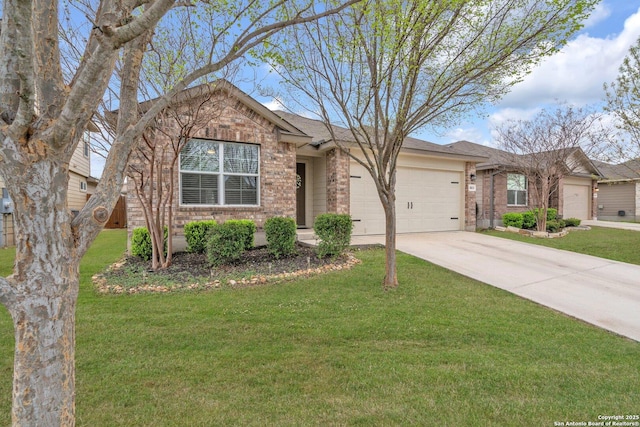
(500, 206)
(236, 123)
(338, 197)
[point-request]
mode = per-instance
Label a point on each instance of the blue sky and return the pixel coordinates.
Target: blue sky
(576, 75)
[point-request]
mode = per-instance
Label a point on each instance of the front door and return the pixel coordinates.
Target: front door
(300, 195)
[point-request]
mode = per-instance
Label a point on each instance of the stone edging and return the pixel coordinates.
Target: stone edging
(541, 234)
(101, 285)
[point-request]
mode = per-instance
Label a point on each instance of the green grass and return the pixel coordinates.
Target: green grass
(337, 350)
(610, 243)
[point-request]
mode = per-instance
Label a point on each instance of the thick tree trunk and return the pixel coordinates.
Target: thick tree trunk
(45, 291)
(391, 268)
(44, 371)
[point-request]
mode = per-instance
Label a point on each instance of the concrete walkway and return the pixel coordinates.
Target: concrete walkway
(635, 226)
(601, 292)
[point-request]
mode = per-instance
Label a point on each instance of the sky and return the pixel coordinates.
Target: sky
(574, 75)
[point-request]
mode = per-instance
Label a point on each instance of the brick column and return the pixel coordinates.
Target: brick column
(338, 181)
(469, 197)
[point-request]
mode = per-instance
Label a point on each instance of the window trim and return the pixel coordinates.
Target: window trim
(221, 174)
(526, 191)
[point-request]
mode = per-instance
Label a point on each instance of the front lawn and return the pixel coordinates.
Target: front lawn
(335, 349)
(610, 243)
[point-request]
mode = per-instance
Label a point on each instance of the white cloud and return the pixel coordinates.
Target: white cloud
(474, 132)
(576, 73)
(501, 116)
(599, 14)
(274, 104)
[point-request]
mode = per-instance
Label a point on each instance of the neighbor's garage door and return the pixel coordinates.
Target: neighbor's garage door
(576, 200)
(426, 200)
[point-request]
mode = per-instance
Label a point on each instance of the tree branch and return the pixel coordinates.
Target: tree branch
(18, 93)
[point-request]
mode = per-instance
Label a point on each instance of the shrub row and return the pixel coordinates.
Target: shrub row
(528, 220)
(224, 243)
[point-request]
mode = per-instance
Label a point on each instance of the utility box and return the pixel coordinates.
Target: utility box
(6, 204)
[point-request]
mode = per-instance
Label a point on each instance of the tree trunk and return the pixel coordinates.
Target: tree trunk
(391, 268)
(44, 370)
(45, 291)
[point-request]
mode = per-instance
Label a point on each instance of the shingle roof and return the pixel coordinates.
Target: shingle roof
(496, 157)
(500, 158)
(622, 171)
(320, 133)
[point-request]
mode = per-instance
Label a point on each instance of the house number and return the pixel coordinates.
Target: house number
(298, 181)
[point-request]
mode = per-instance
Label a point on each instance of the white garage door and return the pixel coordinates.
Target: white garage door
(426, 200)
(576, 201)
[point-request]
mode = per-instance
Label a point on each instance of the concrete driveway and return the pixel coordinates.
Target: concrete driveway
(599, 291)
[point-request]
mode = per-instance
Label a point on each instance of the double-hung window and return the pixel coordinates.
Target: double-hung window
(516, 190)
(219, 173)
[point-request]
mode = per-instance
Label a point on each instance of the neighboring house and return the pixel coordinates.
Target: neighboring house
(79, 179)
(619, 191)
(252, 163)
(501, 189)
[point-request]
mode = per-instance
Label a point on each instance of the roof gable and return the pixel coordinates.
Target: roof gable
(286, 131)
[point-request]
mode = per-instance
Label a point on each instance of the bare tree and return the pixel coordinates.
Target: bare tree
(386, 69)
(623, 99)
(42, 118)
(153, 166)
(551, 146)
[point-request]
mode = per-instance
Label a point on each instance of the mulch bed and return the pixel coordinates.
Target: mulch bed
(192, 272)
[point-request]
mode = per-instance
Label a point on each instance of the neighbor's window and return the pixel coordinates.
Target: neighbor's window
(86, 140)
(219, 173)
(516, 190)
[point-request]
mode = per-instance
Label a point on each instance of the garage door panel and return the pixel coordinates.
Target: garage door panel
(576, 200)
(426, 200)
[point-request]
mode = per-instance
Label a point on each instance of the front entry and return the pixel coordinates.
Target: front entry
(300, 195)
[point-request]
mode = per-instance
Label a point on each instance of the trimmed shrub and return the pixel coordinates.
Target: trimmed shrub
(141, 243)
(572, 222)
(552, 213)
(249, 228)
(512, 219)
(555, 225)
(225, 243)
(281, 236)
(528, 220)
(334, 231)
(195, 233)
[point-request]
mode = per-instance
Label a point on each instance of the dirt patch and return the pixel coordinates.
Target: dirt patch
(192, 272)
